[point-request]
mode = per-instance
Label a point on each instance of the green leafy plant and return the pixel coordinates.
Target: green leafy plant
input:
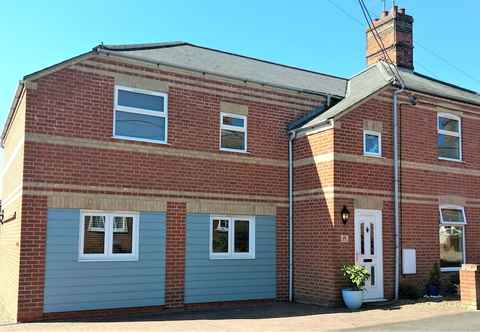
(356, 275)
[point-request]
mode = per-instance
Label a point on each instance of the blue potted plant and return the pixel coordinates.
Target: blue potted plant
(356, 275)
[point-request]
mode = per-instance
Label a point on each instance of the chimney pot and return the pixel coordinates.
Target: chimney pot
(395, 28)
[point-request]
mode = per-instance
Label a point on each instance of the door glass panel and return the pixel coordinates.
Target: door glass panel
(372, 239)
(372, 275)
(362, 239)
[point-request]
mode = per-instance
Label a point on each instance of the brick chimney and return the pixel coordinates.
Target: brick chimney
(395, 30)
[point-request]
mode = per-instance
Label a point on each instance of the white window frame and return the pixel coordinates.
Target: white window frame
(231, 254)
(108, 255)
(450, 223)
(450, 133)
(136, 110)
(372, 133)
(234, 128)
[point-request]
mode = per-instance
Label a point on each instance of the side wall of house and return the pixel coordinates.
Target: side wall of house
(12, 173)
(74, 163)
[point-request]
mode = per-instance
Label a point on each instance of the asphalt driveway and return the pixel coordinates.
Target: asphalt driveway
(281, 317)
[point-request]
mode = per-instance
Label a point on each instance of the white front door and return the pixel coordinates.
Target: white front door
(369, 250)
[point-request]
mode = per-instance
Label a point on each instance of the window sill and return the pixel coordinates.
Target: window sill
(231, 257)
(126, 138)
(373, 155)
(120, 259)
(449, 269)
(454, 160)
(234, 151)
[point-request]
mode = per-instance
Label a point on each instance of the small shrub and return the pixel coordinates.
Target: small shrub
(356, 275)
(409, 290)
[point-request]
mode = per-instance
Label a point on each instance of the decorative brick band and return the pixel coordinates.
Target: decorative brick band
(175, 254)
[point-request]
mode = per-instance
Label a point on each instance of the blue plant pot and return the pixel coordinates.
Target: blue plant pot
(353, 298)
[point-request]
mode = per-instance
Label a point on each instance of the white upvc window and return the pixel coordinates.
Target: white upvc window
(372, 143)
(452, 237)
(449, 128)
(233, 132)
(108, 236)
(232, 237)
(140, 115)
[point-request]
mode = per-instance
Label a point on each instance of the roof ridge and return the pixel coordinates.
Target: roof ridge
(136, 47)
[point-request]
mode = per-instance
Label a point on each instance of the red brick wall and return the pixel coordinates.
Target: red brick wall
(32, 258)
(175, 254)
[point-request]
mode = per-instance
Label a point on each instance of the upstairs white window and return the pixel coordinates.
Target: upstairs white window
(372, 143)
(140, 115)
(233, 132)
(108, 236)
(232, 237)
(449, 137)
(452, 237)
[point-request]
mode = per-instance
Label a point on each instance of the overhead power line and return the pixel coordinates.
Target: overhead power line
(416, 42)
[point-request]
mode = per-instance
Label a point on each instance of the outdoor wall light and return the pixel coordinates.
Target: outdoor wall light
(345, 215)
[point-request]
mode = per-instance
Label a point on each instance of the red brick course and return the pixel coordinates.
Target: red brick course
(32, 258)
(175, 254)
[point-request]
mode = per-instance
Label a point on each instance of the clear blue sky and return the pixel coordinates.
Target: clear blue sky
(310, 34)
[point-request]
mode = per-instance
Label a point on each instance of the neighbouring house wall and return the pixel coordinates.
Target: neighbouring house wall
(71, 285)
(12, 173)
(366, 182)
(215, 280)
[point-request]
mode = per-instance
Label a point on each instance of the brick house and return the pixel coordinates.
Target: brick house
(144, 177)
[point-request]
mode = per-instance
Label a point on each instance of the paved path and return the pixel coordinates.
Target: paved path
(280, 318)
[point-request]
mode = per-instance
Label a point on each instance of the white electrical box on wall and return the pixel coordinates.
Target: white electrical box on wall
(409, 265)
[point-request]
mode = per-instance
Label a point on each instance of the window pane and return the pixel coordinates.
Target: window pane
(372, 144)
(220, 236)
(233, 139)
(242, 236)
(452, 215)
(231, 121)
(449, 146)
(94, 235)
(139, 125)
(451, 246)
(140, 100)
(122, 235)
(448, 124)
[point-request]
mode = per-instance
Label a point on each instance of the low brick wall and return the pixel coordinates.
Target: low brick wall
(470, 286)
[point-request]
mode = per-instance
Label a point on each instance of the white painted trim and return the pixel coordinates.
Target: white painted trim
(234, 128)
(14, 155)
(231, 238)
(372, 133)
(451, 133)
(164, 114)
(108, 237)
